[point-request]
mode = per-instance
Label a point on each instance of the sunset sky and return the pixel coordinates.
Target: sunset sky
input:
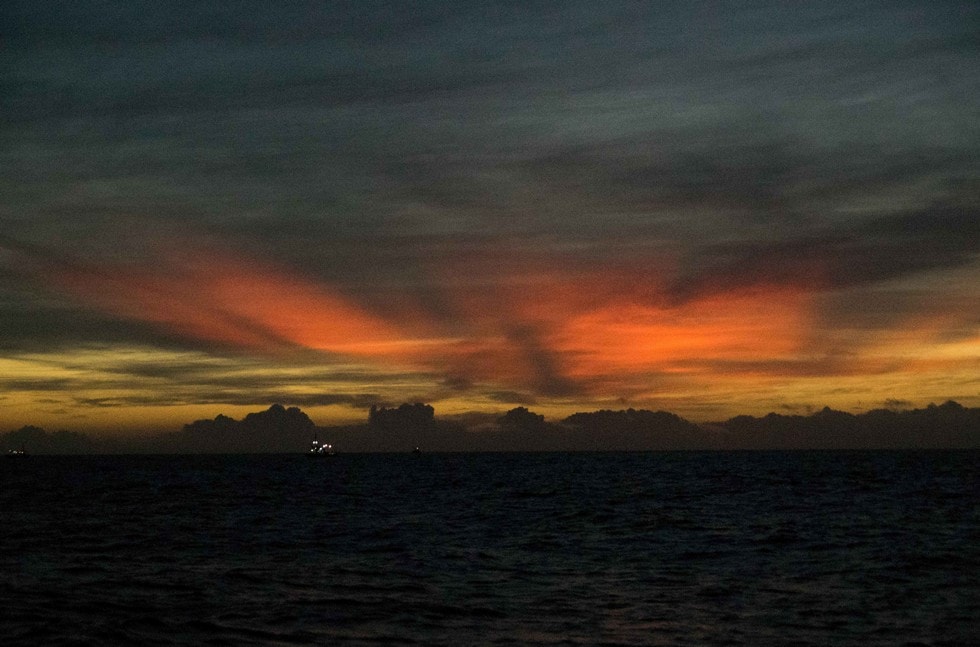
(707, 208)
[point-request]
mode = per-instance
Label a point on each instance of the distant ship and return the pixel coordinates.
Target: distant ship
(17, 453)
(317, 450)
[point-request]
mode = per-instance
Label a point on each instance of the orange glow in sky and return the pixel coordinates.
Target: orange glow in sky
(627, 337)
(521, 322)
(535, 326)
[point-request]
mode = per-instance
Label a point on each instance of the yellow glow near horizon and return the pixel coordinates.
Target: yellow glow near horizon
(99, 389)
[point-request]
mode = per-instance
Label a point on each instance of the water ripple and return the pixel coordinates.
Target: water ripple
(551, 549)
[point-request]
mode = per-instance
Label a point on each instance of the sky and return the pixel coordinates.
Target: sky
(701, 207)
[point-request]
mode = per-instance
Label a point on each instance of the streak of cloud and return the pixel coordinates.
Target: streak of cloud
(528, 325)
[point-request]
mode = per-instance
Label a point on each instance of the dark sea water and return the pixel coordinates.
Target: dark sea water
(724, 548)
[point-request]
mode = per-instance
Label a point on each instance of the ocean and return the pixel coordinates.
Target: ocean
(671, 548)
